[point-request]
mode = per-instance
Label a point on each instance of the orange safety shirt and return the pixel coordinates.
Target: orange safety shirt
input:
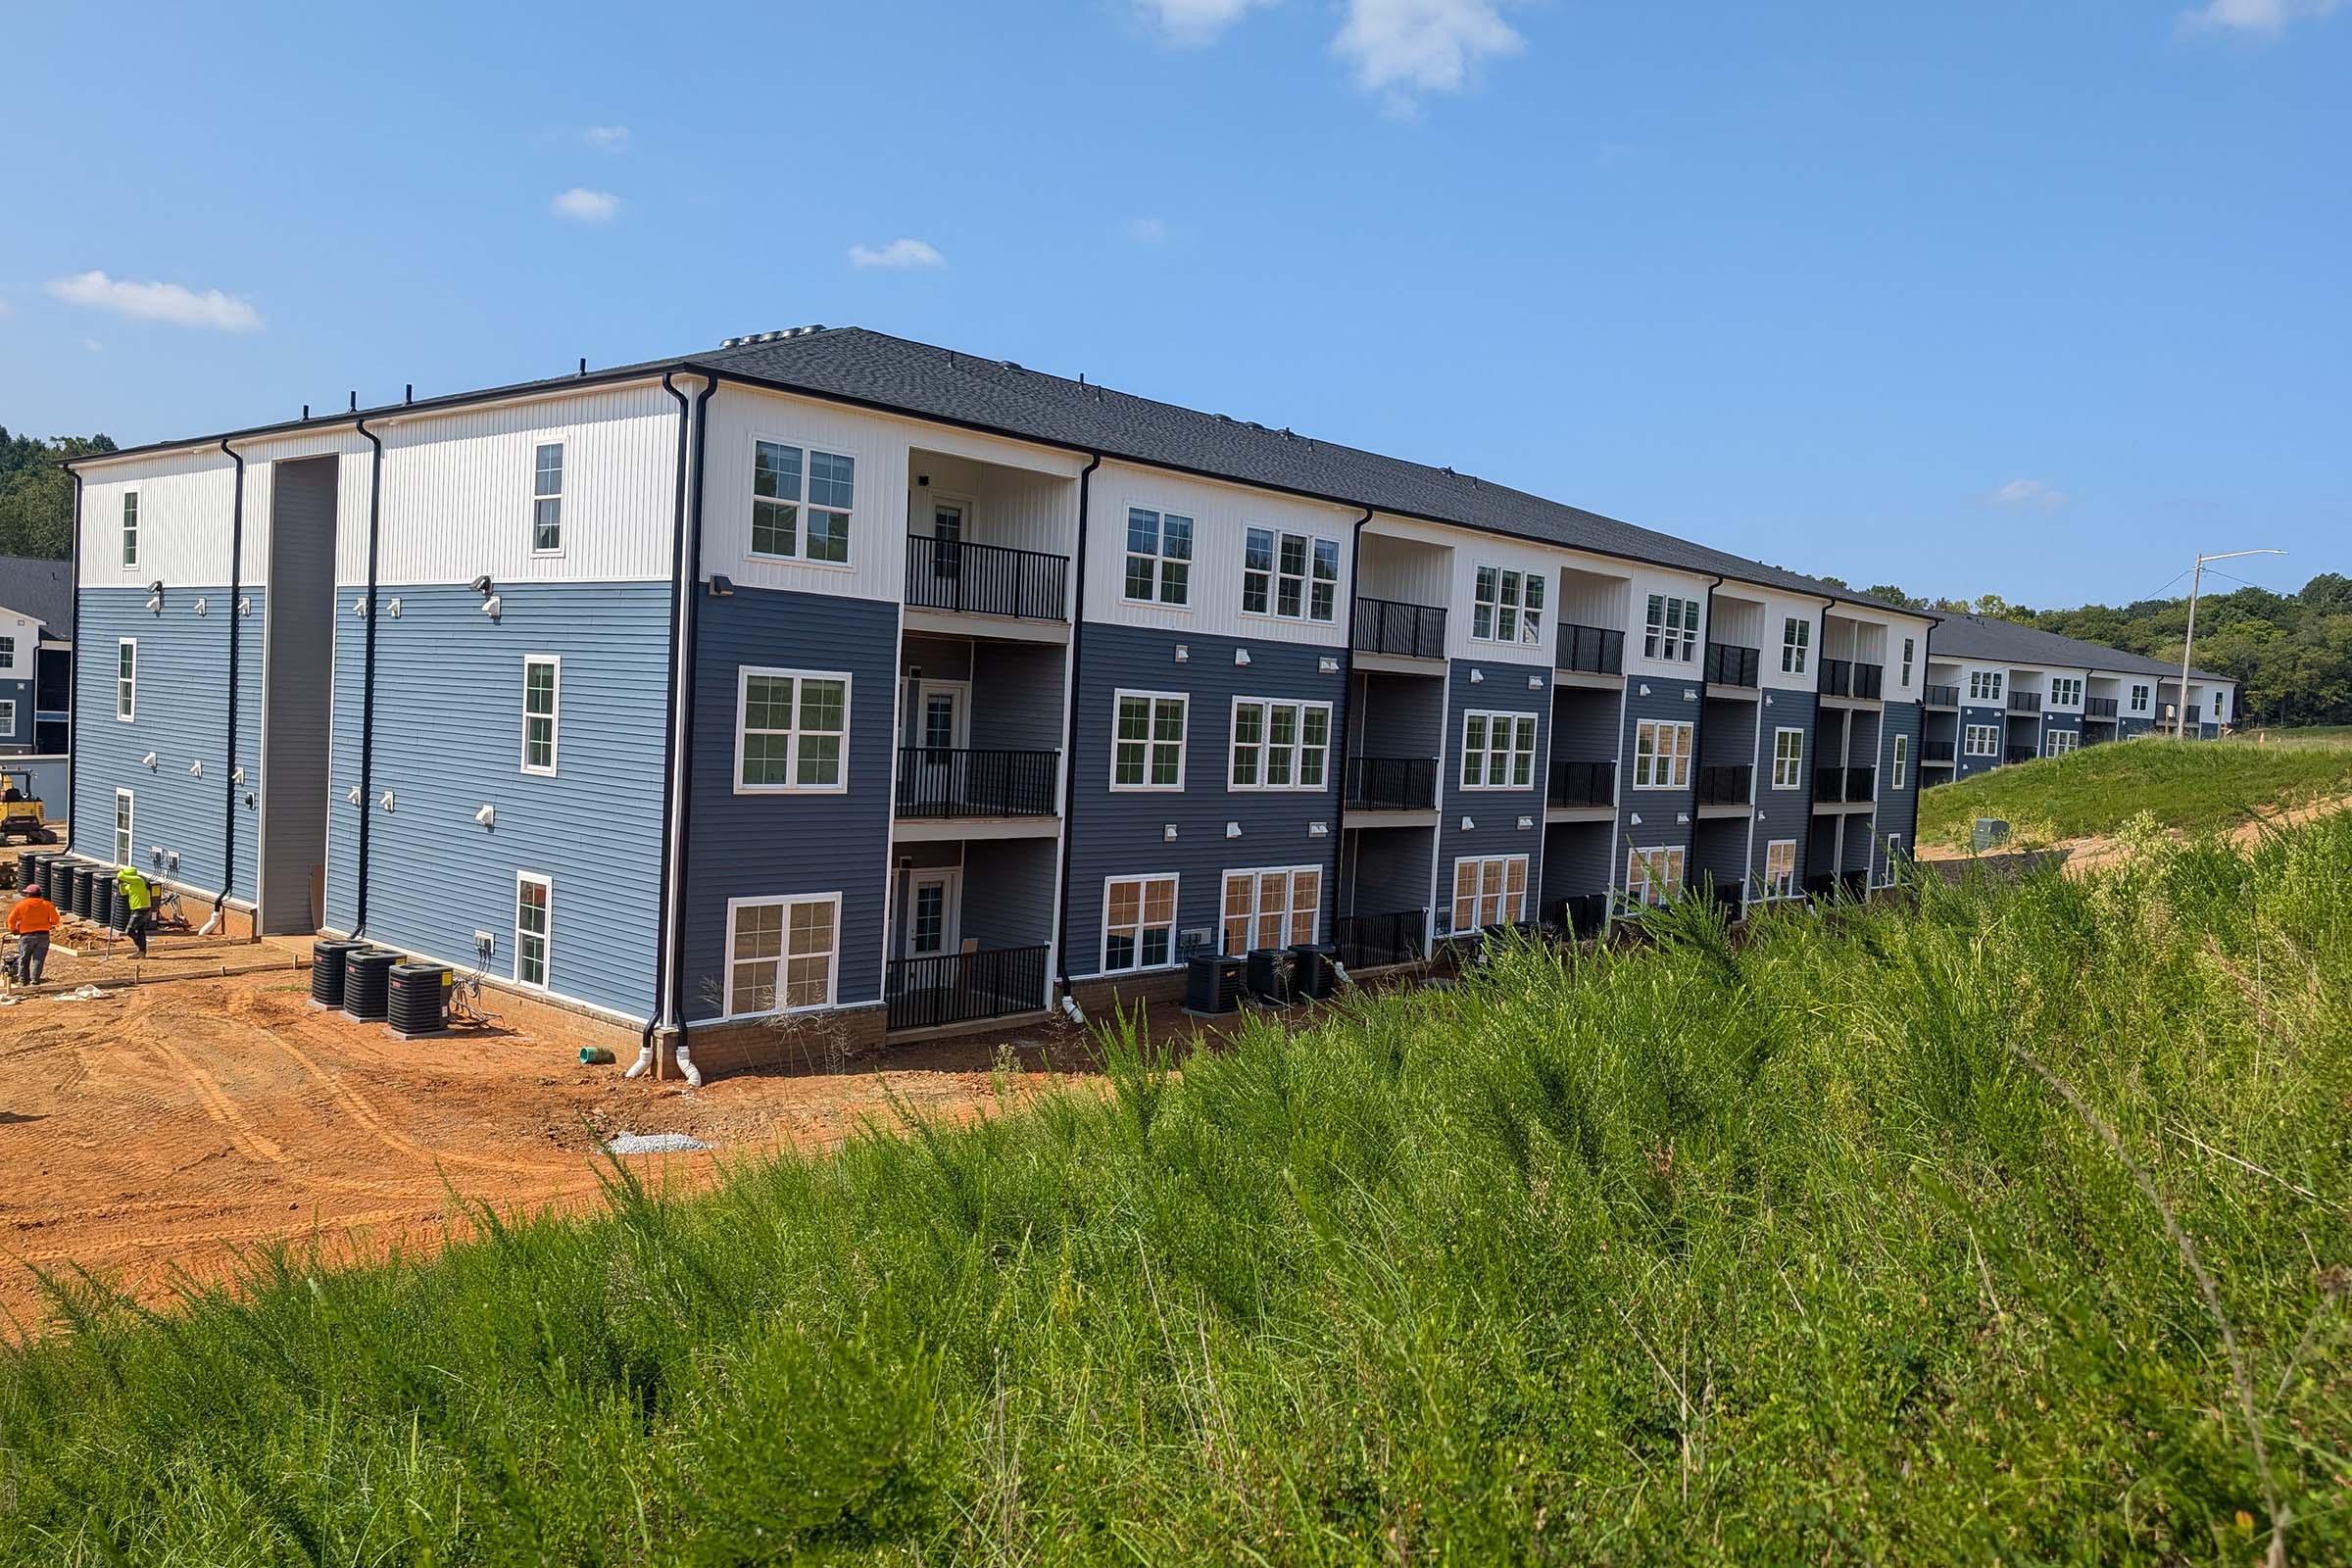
(32, 913)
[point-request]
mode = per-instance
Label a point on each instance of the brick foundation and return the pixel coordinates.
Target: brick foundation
(1159, 990)
(805, 1042)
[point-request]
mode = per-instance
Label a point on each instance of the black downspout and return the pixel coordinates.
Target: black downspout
(236, 562)
(691, 590)
(1698, 735)
(376, 496)
(74, 655)
(1340, 740)
(1919, 778)
(1069, 761)
(669, 725)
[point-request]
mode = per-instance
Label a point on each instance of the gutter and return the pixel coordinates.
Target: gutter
(1355, 556)
(1698, 735)
(376, 496)
(228, 815)
(74, 682)
(1070, 728)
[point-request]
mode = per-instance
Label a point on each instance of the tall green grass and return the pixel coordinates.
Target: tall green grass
(1774, 1250)
(2095, 791)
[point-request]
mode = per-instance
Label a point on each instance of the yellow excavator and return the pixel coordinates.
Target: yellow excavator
(21, 819)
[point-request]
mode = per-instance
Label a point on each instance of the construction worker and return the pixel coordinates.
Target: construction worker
(139, 898)
(30, 922)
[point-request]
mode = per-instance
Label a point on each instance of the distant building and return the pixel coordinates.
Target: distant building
(36, 672)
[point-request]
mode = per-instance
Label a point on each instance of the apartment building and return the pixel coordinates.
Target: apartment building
(37, 672)
(832, 673)
(2000, 693)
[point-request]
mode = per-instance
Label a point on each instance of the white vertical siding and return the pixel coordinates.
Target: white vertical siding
(184, 500)
(1506, 555)
(1407, 570)
(1650, 580)
(1778, 609)
(1009, 507)
(1221, 515)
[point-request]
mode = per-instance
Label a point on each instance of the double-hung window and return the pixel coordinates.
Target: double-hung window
(547, 498)
(800, 503)
(1982, 740)
(792, 730)
(1139, 923)
(1146, 742)
(2066, 691)
(122, 827)
(1488, 890)
(1671, 632)
(8, 653)
(1787, 758)
(127, 678)
(541, 678)
(8, 716)
(1779, 869)
(2139, 698)
(1272, 909)
(532, 929)
(1499, 751)
(1910, 647)
(1662, 754)
(1507, 607)
(1279, 746)
(1901, 761)
(783, 955)
(1654, 876)
(2062, 741)
(1797, 642)
(1289, 575)
(130, 527)
(1983, 685)
(1160, 556)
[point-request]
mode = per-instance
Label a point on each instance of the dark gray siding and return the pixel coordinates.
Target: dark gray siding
(1783, 813)
(2052, 722)
(1017, 696)
(1584, 725)
(1667, 816)
(937, 657)
(1718, 849)
(1121, 834)
(1897, 810)
(779, 845)
(16, 726)
(449, 741)
(1579, 859)
(297, 713)
(1964, 765)
(1861, 834)
(1395, 716)
(1388, 869)
(1009, 892)
(1726, 734)
(1495, 814)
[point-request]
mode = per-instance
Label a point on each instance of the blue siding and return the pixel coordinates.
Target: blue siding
(1388, 870)
(1965, 765)
(181, 715)
(1495, 814)
(784, 846)
(1783, 813)
(1121, 834)
(1584, 724)
(2058, 722)
(1667, 816)
(1898, 809)
(449, 741)
(16, 730)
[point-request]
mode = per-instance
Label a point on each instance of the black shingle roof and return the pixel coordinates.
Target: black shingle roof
(1972, 637)
(41, 589)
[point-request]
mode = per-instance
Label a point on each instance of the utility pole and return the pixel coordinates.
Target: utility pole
(2189, 641)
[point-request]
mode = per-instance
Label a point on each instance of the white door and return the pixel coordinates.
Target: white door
(933, 911)
(941, 718)
(948, 518)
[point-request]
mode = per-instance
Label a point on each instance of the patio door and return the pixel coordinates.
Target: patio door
(948, 518)
(941, 728)
(934, 912)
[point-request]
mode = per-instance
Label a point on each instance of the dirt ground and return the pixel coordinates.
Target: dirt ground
(162, 1130)
(2085, 856)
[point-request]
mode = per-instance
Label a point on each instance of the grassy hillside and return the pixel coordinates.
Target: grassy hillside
(2200, 784)
(1848, 1243)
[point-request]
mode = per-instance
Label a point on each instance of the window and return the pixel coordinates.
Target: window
(2220, 700)
(1662, 755)
(1160, 556)
(1910, 646)
(2139, 698)
(127, 678)
(2066, 691)
(1902, 761)
(540, 673)
(123, 827)
(546, 500)
(1139, 923)
(1499, 751)
(1492, 891)
(1272, 909)
(1779, 869)
(130, 527)
(1507, 607)
(1787, 758)
(1672, 632)
(792, 521)
(1797, 641)
(8, 717)
(1654, 876)
(1982, 740)
(530, 929)
(1983, 685)
(2061, 741)
(8, 653)
(1279, 746)
(1285, 574)
(782, 954)
(790, 727)
(1146, 742)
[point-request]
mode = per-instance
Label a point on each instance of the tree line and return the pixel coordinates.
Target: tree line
(36, 499)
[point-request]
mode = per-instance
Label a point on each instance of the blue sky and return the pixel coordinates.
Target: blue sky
(2036, 299)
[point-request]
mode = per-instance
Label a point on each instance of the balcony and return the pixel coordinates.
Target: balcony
(1579, 784)
(1843, 677)
(1591, 649)
(1936, 752)
(1392, 784)
(944, 988)
(2018, 754)
(936, 783)
(1387, 626)
(2025, 702)
(1729, 664)
(1942, 696)
(2099, 708)
(1729, 897)
(1838, 884)
(1368, 940)
(1845, 784)
(1729, 785)
(1585, 916)
(974, 579)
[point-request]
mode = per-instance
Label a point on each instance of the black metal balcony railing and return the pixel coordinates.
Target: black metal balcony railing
(1843, 678)
(1937, 751)
(1591, 649)
(1585, 916)
(2025, 702)
(1725, 785)
(1942, 696)
(1392, 783)
(1822, 884)
(937, 783)
(2018, 754)
(1368, 941)
(1729, 664)
(986, 579)
(1870, 680)
(944, 988)
(1568, 783)
(1846, 784)
(2195, 714)
(2098, 708)
(1390, 626)
(1729, 897)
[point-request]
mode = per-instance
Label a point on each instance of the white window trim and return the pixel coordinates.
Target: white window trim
(1984, 687)
(1644, 855)
(1507, 916)
(1485, 754)
(1256, 876)
(1528, 614)
(1900, 761)
(799, 504)
(8, 716)
(1910, 650)
(563, 477)
(547, 939)
(1184, 699)
(743, 694)
(554, 715)
(130, 523)
(126, 826)
(1658, 729)
(784, 952)
(1796, 644)
(2051, 748)
(1264, 746)
(1790, 890)
(1274, 575)
(1796, 771)
(125, 685)
(1175, 923)
(1159, 557)
(1993, 740)
(1675, 644)
(2140, 697)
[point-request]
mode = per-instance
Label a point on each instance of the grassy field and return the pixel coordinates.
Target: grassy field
(2009, 1228)
(2095, 791)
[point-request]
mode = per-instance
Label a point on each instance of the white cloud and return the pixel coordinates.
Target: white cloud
(2270, 17)
(93, 345)
(587, 206)
(1194, 23)
(2029, 493)
(607, 138)
(1142, 230)
(1401, 48)
(157, 302)
(897, 253)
